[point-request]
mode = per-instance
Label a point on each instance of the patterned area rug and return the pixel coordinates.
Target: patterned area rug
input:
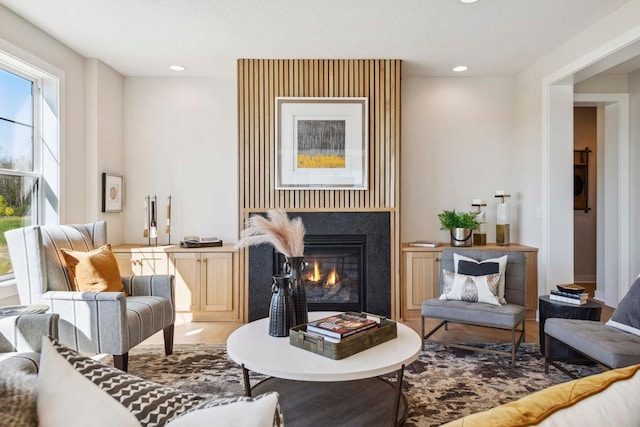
(442, 385)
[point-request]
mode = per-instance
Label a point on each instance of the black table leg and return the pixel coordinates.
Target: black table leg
(396, 407)
(247, 385)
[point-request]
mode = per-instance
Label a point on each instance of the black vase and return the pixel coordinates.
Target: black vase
(282, 313)
(293, 266)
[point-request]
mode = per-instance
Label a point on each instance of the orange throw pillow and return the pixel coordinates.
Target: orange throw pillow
(93, 271)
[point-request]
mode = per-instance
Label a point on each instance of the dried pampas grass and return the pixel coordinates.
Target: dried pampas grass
(287, 236)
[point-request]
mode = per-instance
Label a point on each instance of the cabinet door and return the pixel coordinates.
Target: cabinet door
(149, 263)
(125, 263)
(217, 282)
(186, 269)
(421, 278)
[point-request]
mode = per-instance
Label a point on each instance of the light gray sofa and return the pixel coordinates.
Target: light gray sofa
(91, 322)
(21, 340)
(508, 316)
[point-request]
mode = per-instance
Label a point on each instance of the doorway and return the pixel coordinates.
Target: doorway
(585, 196)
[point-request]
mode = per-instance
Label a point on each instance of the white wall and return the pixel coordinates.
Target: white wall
(39, 46)
(634, 151)
(529, 124)
(104, 142)
(456, 146)
(181, 139)
(603, 83)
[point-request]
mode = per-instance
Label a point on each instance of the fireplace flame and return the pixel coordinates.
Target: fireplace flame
(315, 277)
(332, 279)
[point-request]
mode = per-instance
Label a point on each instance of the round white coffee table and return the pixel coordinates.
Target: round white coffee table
(314, 388)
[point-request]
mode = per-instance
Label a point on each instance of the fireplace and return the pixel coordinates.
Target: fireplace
(334, 273)
(357, 244)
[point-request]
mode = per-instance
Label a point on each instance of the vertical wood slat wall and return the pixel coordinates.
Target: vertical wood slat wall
(260, 81)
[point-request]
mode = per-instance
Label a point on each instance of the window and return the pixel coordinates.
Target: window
(20, 171)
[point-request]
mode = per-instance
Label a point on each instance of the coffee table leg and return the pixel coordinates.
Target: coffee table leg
(399, 377)
(247, 386)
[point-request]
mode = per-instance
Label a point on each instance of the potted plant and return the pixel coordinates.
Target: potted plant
(460, 226)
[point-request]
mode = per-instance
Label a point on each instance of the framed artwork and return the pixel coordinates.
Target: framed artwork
(321, 143)
(112, 191)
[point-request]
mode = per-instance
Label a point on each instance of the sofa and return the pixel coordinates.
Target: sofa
(21, 340)
(73, 390)
(611, 398)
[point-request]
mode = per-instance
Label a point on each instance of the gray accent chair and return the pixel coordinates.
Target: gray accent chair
(21, 340)
(605, 344)
(91, 322)
(508, 316)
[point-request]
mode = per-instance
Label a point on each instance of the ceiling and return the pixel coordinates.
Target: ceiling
(144, 37)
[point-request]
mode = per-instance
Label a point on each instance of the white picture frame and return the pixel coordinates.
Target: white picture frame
(321, 143)
(112, 192)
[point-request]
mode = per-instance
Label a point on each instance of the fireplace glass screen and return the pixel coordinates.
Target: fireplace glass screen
(334, 272)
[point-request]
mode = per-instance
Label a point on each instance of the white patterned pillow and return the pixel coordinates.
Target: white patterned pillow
(460, 287)
(502, 265)
(260, 411)
(72, 389)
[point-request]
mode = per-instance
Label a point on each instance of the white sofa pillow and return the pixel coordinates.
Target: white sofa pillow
(460, 287)
(502, 262)
(77, 391)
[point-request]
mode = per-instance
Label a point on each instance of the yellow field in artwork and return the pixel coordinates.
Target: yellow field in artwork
(320, 161)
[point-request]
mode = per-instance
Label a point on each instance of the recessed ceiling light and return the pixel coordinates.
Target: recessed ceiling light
(468, 1)
(176, 67)
(460, 68)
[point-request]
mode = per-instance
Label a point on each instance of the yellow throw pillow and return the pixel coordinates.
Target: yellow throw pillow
(93, 271)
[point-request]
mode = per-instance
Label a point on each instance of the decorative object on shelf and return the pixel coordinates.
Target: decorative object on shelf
(480, 235)
(286, 236)
(153, 221)
(282, 313)
(321, 143)
(112, 188)
(293, 267)
(146, 217)
(502, 221)
(581, 180)
(168, 227)
(460, 226)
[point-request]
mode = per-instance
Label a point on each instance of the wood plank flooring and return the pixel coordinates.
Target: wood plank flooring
(188, 332)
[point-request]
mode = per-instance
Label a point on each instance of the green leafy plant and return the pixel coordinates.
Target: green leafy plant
(453, 219)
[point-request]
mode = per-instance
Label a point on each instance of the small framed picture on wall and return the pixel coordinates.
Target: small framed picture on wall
(112, 192)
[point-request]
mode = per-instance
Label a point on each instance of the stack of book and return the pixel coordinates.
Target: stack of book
(426, 243)
(340, 326)
(569, 297)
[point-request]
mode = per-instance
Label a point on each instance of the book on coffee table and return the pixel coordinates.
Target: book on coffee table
(341, 325)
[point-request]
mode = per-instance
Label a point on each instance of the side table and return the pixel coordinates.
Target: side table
(549, 308)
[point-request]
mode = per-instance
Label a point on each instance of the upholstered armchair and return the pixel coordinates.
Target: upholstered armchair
(93, 322)
(21, 340)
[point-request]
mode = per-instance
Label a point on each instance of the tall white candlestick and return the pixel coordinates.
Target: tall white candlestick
(503, 214)
(146, 217)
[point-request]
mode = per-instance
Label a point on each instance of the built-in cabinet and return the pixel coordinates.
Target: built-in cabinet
(421, 276)
(206, 279)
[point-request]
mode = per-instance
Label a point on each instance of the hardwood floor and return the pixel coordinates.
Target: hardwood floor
(188, 332)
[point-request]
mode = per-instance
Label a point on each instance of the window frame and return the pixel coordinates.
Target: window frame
(37, 170)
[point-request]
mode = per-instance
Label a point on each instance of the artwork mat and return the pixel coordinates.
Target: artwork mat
(354, 111)
(112, 181)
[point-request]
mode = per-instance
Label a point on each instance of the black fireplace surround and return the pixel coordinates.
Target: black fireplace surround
(374, 226)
